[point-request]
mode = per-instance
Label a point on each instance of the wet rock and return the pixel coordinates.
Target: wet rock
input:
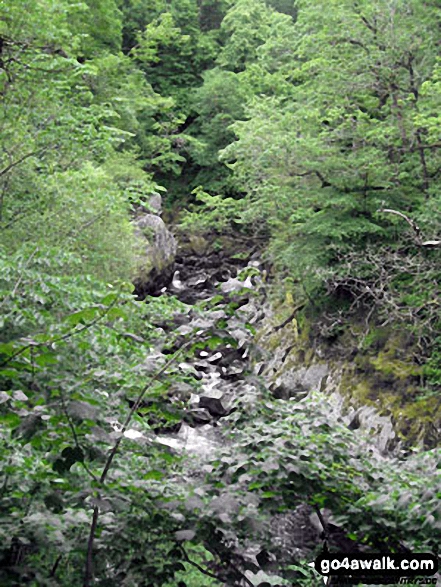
(213, 405)
(222, 275)
(241, 335)
(176, 286)
(185, 329)
(234, 370)
(198, 441)
(198, 416)
(181, 390)
(211, 382)
(197, 282)
(235, 285)
(231, 356)
(286, 394)
(215, 358)
(202, 366)
(189, 370)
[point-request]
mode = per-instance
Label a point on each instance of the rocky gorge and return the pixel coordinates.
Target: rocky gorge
(249, 348)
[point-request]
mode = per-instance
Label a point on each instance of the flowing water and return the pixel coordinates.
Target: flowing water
(233, 295)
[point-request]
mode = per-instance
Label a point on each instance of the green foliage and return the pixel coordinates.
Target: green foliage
(300, 122)
(77, 118)
(73, 353)
(69, 167)
(217, 213)
(247, 26)
(98, 26)
(287, 453)
(338, 139)
(172, 50)
(342, 121)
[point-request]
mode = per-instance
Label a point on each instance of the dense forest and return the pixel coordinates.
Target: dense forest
(285, 156)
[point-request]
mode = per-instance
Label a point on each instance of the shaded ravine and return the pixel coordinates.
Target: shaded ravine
(224, 371)
(233, 292)
(227, 304)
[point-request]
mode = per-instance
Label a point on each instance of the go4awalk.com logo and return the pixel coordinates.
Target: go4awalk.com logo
(377, 569)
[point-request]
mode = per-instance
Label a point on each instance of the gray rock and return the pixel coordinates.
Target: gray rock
(156, 256)
(198, 416)
(235, 285)
(301, 379)
(155, 204)
(213, 405)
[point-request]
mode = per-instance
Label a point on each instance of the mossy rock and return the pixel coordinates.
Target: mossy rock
(379, 374)
(397, 368)
(416, 421)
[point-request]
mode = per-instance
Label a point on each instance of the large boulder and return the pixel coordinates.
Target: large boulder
(155, 204)
(156, 257)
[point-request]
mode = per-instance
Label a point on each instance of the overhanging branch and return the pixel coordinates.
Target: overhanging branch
(414, 226)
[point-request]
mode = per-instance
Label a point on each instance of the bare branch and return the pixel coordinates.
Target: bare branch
(411, 222)
(414, 226)
(431, 243)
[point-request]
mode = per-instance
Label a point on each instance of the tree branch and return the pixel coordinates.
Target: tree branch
(88, 574)
(409, 221)
(198, 567)
(290, 318)
(415, 228)
(18, 161)
(75, 436)
(66, 336)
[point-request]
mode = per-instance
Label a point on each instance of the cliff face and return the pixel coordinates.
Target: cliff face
(374, 385)
(368, 374)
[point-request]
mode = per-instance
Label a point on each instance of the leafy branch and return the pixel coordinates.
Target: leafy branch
(33, 344)
(88, 574)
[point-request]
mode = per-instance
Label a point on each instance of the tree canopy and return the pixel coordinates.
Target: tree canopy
(309, 127)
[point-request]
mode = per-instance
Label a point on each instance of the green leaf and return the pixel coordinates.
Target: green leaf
(83, 316)
(156, 475)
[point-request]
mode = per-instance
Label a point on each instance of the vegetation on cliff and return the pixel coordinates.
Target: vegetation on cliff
(310, 126)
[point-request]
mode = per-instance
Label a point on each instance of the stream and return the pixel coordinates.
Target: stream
(226, 301)
(228, 368)
(223, 373)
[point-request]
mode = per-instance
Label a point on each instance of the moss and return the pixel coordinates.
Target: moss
(415, 420)
(358, 390)
(376, 338)
(198, 244)
(383, 376)
(399, 369)
(380, 374)
(420, 420)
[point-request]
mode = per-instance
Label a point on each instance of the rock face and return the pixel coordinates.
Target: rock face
(155, 204)
(290, 373)
(157, 250)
